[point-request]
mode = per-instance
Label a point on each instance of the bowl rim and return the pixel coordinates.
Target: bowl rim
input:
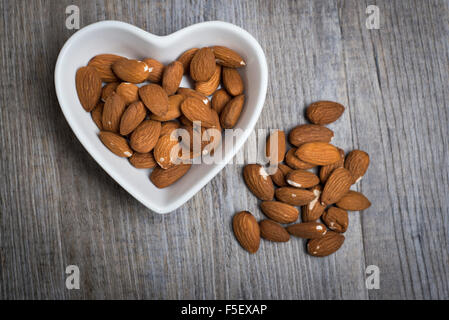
(260, 99)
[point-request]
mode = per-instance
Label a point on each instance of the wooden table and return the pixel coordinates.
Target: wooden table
(59, 208)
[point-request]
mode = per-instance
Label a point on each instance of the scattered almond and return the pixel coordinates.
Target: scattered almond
(294, 196)
(325, 245)
(279, 211)
(326, 171)
(307, 230)
(353, 201)
(258, 181)
(310, 133)
(336, 186)
(278, 176)
(295, 163)
(247, 231)
(357, 162)
(314, 209)
(302, 179)
(275, 141)
(319, 153)
(324, 112)
(336, 219)
(272, 231)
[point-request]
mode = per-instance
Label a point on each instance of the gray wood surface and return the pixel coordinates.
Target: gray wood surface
(57, 207)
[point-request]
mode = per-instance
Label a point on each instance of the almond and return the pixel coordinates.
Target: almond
(357, 162)
(132, 117)
(278, 176)
(133, 71)
(232, 81)
(228, 57)
(231, 112)
(219, 100)
(144, 137)
(302, 179)
(336, 186)
(208, 87)
(155, 99)
(273, 231)
(166, 151)
(129, 92)
(279, 211)
(172, 77)
(319, 153)
(187, 92)
(294, 162)
(353, 201)
(143, 160)
(258, 181)
(163, 178)
(325, 245)
(168, 127)
(309, 133)
(97, 114)
(275, 141)
(202, 66)
(112, 112)
(186, 58)
(116, 143)
(195, 110)
(307, 230)
(88, 87)
(103, 64)
(336, 219)
(247, 231)
(174, 109)
(314, 209)
(294, 196)
(108, 89)
(324, 112)
(155, 70)
(212, 136)
(326, 171)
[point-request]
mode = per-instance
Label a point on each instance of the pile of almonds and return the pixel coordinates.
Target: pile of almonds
(136, 121)
(324, 194)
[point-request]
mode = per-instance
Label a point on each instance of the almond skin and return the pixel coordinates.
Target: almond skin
(172, 77)
(133, 71)
(307, 230)
(302, 179)
(208, 87)
(309, 133)
(357, 162)
(195, 110)
(232, 81)
(97, 114)
(174, 109)
(163, 178)
(143, 160)
(276, 141)
(144, 137)
(166, 151)
(326, 171)
(132, 117)
(318, 153)
(336, 186)
(168, 127)
(258, 181)
(279, 211)
(88, 87)
(155, 70)
(187, 92)
(247, 231)
(278, 176)
(202, 66)
(295, 163)
(294, 196)
(353, 201)
(314, 209)
(116, 143)
(336, 219)
(219, 100)
(272, 231)
(325, 245)
(324, 112)
(103, 64)
(155, 99)
(231, 112)
(128, 91)
(228, 57)
(112, 112)
(186, 58)
(108, 89)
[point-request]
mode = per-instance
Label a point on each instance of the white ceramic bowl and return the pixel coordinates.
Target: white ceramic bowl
(129, 41)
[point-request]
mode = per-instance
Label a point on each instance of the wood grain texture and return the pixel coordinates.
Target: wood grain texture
(57, 207)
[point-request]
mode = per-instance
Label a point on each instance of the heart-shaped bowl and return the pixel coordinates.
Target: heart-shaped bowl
(134, 43)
